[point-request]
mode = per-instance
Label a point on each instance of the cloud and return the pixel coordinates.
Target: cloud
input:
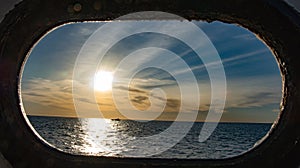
(33, 94)
(257, 100)
(86, 100)
(139, 99)
(130, 89)
(225, 62)
(55, 98)
(173, 105)
(151, 83)
(203, 108)
(47, 93)
(245, 37)
(253, 92)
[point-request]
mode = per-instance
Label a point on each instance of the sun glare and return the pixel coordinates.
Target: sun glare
(103, 81)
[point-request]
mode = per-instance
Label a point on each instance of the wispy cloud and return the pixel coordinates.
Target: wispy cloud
(257, 100)
(130, 89)
(225, 62)
(255, 91)
(173, 105)
(48, 93)
(247, 36)
(141, 84)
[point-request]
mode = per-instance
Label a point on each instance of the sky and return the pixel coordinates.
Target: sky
(253, 90)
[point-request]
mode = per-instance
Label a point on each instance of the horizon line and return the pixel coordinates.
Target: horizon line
(249, 122)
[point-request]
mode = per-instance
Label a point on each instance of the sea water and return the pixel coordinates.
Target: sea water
(84, 137)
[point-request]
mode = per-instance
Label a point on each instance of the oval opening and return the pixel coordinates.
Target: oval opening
(151, 89)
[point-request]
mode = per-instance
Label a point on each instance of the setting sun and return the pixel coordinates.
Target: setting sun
(103, 81)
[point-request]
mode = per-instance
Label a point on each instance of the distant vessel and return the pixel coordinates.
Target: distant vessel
(115, 119)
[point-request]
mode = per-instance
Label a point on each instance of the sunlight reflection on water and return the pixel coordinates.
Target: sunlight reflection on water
(100, 137)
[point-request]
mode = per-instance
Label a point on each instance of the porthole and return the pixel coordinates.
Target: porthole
(150, 60)
(29, 21)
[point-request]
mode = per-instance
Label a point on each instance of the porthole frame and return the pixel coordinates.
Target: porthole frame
(276, 23)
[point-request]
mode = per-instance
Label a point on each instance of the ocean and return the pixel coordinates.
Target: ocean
(86, 136)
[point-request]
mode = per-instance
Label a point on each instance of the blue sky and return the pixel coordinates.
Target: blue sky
(252, 74)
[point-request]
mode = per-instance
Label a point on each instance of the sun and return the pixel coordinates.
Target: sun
(103, 81)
